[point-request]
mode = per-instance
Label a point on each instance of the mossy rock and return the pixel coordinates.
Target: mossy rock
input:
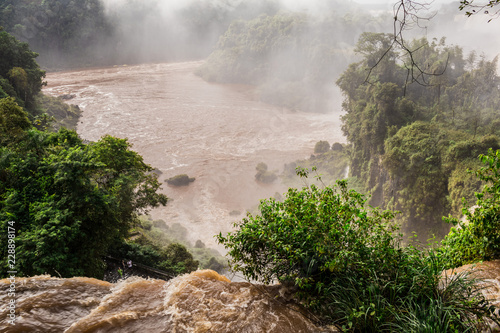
(180, 180)
(337, 147)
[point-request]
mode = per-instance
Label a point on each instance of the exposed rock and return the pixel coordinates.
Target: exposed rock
(180, 180)
(489, 274)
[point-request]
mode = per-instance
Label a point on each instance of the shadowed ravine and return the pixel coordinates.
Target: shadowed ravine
(182, 124)
(200, 302)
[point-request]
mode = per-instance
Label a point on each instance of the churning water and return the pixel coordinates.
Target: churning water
(181, 124)
(200, 302)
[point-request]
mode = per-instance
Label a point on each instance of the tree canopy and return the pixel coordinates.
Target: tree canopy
(477, 238)
(71, 201)
(20, 75)
(407, 139)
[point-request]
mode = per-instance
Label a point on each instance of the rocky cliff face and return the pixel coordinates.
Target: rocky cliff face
(203, 301)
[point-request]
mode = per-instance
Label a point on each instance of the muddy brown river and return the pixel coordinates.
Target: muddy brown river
(181, 124)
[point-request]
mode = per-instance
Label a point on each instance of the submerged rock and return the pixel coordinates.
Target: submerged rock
(67, 96)
(202, 301)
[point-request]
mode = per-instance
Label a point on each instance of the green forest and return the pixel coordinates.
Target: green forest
(70, 33)
(293, 58)
(426, 148)
(411, 143)
(70, 202)
(423, 143)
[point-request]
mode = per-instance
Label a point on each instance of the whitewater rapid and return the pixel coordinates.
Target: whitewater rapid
(200, 302)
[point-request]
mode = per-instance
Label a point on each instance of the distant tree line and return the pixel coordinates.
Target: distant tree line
(69, 33)
(293, 58)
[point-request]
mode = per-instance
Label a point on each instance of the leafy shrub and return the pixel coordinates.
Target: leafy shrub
(332, 165)
(209, 259)
(160, 224)
(178, 260)
(321, 147)
(141, 253)
(337, 147)
(347, 263)
(462, 185)
(146, 224)
(215, 265)
(65, 115)
(180, 180)
(479, 238)
(263, 175)
(161, 235)
(310, 234)
(173, 258)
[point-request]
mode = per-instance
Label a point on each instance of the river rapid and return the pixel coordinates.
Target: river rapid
(181, 124)
(200, 302)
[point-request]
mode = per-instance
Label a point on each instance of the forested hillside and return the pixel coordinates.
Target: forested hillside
(293, 58)
(422, 134)
(21, 79)
(412, 142)
(94, 32)
(62, 31)
(64, 203)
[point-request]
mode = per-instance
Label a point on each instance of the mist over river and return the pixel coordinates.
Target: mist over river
(181, 124)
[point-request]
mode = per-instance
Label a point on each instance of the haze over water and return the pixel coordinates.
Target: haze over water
(182, 124)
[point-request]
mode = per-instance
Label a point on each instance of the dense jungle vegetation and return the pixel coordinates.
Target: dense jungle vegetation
(21, 79)
(411, 144)
(69, 33)
(349, 264)
(70, 202)
(414, 138)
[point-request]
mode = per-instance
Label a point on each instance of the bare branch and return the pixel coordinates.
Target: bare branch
(409, 14)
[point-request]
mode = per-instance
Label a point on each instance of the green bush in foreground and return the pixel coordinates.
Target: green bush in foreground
(173, 258)
(347, 264)
(70, 201)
